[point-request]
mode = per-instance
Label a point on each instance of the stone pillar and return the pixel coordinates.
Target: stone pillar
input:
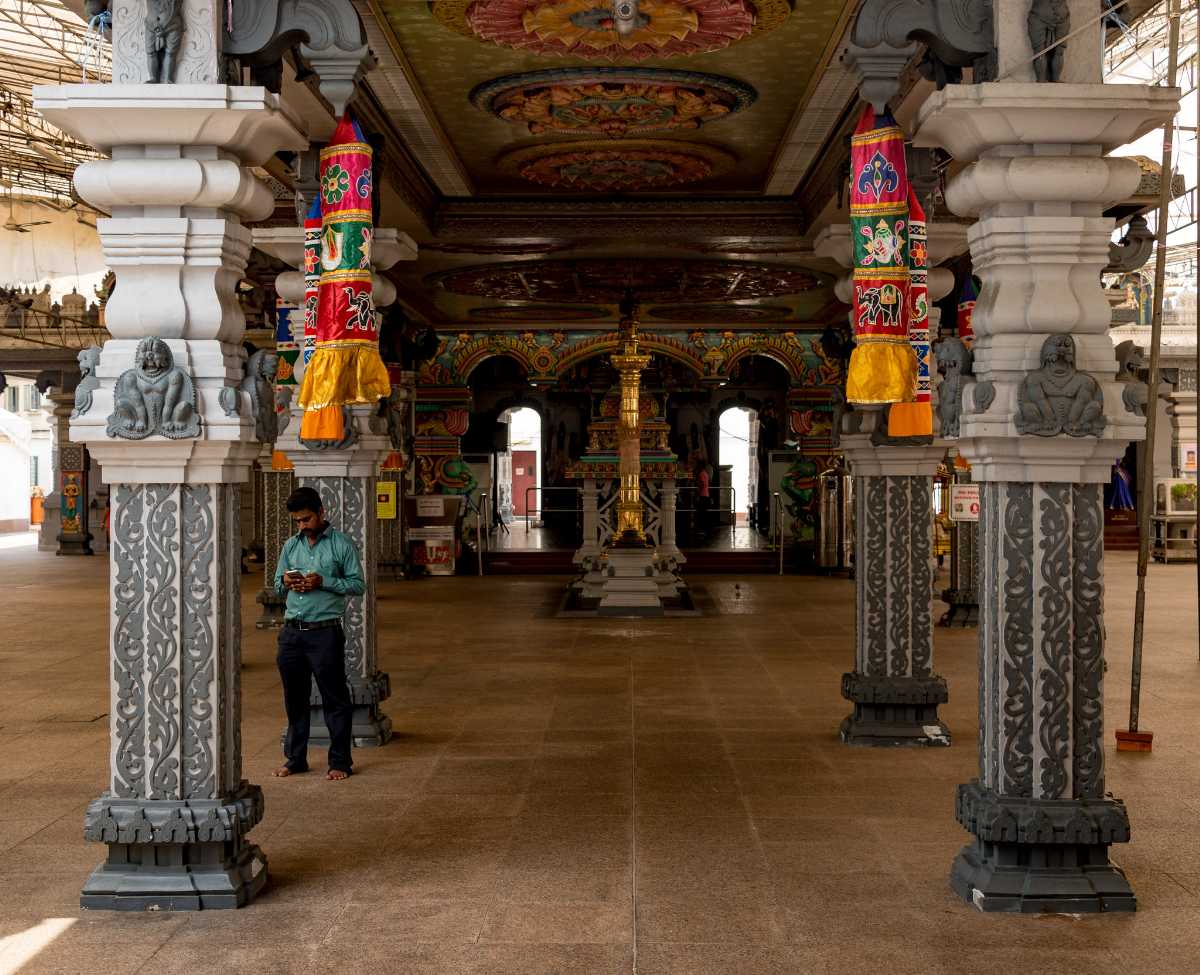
(1042, 422)
(962, 597)
(277, 526)
(667, 547)
(168, 423)
(67, 510)
(345, 479)
(893, 686)
(590, 499)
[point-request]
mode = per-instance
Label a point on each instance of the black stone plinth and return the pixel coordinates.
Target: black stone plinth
(894, 711)
(370, 727)
(75, 544)
(176, 877)
(1034, 856)
(963, 608)
(273, 606)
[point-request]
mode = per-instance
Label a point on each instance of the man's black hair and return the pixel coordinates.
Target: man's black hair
(304, 499)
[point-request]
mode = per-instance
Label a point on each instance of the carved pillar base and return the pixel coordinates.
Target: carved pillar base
(177, 812)
(894, 710)
(893, 687)
(345, 479)
(1035, 856)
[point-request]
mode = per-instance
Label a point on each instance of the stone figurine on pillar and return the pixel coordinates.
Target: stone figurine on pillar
(178, 183)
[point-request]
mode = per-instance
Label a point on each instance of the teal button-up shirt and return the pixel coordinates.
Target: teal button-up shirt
(335, 559)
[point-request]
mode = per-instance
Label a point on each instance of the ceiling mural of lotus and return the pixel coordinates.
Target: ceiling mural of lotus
(613, 102)
(587, 29)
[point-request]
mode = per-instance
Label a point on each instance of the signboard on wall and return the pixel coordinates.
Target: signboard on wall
(385, 500)
(431, 506)
(964, 502)
(1187, 458)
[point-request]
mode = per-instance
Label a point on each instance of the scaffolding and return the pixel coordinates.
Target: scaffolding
(43, 42)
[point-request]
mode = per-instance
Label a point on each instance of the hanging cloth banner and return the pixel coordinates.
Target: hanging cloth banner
(882, 366)
(345, 366)
(916, 419)
(966, 311)
(312, 279)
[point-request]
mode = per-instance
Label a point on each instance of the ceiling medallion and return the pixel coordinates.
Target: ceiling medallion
(606, 167)
(615, 102)
(605, 280)
(538, 313)
(587, 28)
(724, 314)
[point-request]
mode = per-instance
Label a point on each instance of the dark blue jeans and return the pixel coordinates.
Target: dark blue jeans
(320, 654)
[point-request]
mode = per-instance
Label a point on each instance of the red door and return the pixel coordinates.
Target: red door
(524, 476)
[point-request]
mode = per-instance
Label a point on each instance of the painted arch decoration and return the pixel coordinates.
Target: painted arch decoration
(585, 28)
(622, 167)
(711, 355)
(612, 102)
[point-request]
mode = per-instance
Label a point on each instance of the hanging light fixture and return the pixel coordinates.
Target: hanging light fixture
(625, 16)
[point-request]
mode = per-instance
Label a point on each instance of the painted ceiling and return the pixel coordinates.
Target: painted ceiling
(716, 135)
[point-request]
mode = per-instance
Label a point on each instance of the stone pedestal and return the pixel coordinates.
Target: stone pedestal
(1042, 423)
(176, 813)
(893, 686)
(345, 479)
(630, 586)
(67, 512)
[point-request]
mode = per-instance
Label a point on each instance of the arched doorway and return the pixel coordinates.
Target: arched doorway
(524, 460)
(737, 448)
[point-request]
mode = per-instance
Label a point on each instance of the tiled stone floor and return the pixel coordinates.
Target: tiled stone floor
(592, 797)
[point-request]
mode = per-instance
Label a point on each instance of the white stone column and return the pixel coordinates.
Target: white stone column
(893, 687)
(667, 547)
(590, 499)
(171, 428)
(1042, 423)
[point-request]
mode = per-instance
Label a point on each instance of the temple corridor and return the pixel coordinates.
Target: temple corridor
(578, 797)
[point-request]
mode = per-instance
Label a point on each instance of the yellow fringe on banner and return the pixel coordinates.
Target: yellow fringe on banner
(880, 372)
(910, 420)
(340, 373)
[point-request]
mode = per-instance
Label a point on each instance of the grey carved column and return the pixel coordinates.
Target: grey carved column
(344, 476)
(893, 687)
(1042, 422)
(277, 526)
(174, 425)
(962, 597)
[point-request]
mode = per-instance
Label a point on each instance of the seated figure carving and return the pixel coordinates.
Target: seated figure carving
(155, 396)
(1057, 398)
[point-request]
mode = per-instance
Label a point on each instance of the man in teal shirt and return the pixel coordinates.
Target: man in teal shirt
(318, 568)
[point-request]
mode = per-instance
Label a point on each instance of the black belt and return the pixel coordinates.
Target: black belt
(318, 625)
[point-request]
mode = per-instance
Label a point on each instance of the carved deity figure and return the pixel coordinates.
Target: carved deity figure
(164, 35)
(258, 385)
(1057, 398)
(954, 363)
(155, 396)
(1135, 394)
(89, 360)
(1049, 23)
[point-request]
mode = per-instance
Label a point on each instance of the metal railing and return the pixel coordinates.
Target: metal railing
(541, 510)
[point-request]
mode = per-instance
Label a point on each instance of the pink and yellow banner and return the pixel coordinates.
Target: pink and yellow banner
(345, 367)
(882, 366)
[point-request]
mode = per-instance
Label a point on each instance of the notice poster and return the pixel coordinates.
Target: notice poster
(1187, 458)
(385, 500)
(964, 502)
(431, 506)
